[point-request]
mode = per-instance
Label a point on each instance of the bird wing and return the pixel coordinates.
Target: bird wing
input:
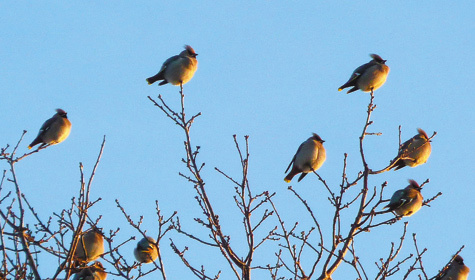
(406, 147)
(293, 159)
(399, 198)
(168, 61)
(353, 77)
(410, 146)
(404, 201)
(46, 126)
(360, 70)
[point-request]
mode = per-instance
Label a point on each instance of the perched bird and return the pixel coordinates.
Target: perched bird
(413, 152)
(407, 201)
(90, 246)
(53, 131)
(94, 272)
(178, 69)
(369, 76)
(309, 157)
(146, 250)
(457, 270)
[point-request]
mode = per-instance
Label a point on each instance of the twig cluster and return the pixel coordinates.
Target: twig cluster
(262, 223)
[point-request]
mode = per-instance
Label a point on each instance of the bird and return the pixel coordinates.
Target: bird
(94, 272)
(146, 250)
(309, 157)
(368, 77)
(457, 270)
(55, 130)
(407, 201)
(90, 246)
(178, 69)
(413, 152)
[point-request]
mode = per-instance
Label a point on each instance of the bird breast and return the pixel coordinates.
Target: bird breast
(419, 154)
(58, 131)
(181, 70)
(373, 78)
(310, 157)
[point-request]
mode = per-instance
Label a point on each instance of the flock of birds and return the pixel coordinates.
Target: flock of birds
(310, 156)
(91, 247)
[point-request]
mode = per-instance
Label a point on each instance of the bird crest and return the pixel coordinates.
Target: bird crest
(377, 58)
(61, 112)
(422, 133)
(317, 138)
(190, 50)
(458, 259)
(414, 185)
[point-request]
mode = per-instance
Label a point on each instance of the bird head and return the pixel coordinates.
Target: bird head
(146, 244)
(62, 113)
(189, 51)
(377, 58)
(413, 185)
(422, 134)
(459, 260)
(317, 138)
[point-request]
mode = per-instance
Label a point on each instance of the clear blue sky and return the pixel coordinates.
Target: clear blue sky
(267, 69)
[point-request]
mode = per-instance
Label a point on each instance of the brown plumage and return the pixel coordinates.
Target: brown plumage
(369, 76)
(309, 157)
(407, 201)
(146, 250)
(55, 130)
(413, 152)
(90, 246)
(94, 272)
(178, 69)
(457, 270)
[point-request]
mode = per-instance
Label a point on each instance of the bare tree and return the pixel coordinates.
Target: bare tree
(263, 225)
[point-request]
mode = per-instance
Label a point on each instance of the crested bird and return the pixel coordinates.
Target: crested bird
(457, 270)
(178, 69)
(90, 246)
(55, 130)
(413, 152)
(94, 272)
(308, 158)
(368, 77)
(407, 201)
(146, 250)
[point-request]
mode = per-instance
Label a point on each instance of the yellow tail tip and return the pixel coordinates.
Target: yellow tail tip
(340, 89)
(287, 180)
(148, 82)
(29, 147)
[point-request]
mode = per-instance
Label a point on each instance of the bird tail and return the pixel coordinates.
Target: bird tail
(354, 88)
(291, 175)
(397, 164)
(350, 83)
(153, 79)
(34, 143)
(347, 84)
(302, 176)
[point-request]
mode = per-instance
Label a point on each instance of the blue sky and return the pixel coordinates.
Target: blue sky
(269, 70)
